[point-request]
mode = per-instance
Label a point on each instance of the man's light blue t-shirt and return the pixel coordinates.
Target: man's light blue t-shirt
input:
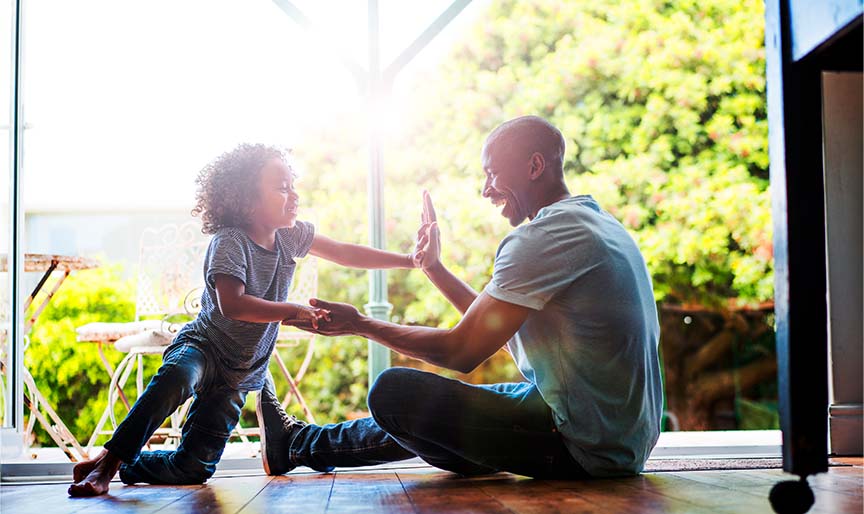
(590, 344)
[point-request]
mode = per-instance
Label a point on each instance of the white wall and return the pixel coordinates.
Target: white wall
(843, 121)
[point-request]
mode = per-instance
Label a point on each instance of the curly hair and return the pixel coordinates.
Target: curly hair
(228, 186)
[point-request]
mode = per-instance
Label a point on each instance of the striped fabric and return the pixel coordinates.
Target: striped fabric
(242, 349)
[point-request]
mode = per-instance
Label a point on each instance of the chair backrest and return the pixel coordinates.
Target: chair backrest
(303, 287)
(170, 270)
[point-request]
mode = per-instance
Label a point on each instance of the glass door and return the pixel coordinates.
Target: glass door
(11, 413)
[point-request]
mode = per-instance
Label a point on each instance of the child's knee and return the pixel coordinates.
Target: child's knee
(200, 452)
(198, 474)
(195, 469)
(180, 378)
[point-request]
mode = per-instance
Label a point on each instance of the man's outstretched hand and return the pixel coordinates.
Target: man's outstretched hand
(427, 250)
(312, 315)
(342, 319)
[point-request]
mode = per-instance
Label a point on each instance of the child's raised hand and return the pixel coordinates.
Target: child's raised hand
(311, 315)
(427, 249)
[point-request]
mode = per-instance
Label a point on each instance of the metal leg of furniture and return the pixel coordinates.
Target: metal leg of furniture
(34, 411)
(132, 362)
(110, 371)
(307, 359)
(31, 421)
(139, 377)
(53, 425)
(118, 380)
(242, 433)
(294, 390)
(98, 431)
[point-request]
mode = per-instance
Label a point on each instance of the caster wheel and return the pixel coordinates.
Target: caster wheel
(791, 497)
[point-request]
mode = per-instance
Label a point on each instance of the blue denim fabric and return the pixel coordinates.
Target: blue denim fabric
(459, 427)
(186, 371)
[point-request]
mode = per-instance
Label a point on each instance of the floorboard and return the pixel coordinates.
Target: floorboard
(293, 494)
(413, 488)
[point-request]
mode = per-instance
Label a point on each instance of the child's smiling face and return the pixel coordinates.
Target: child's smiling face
(277, 200)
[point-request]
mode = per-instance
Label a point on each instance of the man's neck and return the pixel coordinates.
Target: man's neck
(553, 197)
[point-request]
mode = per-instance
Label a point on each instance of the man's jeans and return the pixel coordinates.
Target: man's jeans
(451, 425)
(185, 371)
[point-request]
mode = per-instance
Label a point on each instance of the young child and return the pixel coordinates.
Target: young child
(246, 199)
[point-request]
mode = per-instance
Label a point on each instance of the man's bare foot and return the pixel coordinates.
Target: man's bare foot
(93, 477)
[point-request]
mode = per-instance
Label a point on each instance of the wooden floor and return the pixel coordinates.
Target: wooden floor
(424, 489)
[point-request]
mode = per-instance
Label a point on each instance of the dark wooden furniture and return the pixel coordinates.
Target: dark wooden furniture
(803, 38)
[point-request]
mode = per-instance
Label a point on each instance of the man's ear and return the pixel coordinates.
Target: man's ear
(538, 165)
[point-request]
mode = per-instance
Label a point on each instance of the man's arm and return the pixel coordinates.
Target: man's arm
(428, 256)
(457, 292)
(487, 325)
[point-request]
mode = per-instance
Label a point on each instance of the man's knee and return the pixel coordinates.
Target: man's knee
(391, 390)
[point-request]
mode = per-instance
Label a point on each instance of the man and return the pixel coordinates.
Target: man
(571, 298)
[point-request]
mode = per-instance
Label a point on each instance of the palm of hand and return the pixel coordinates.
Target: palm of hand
(339, 320)
(427, 250)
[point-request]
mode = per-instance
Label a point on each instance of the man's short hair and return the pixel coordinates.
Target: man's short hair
(533, 134)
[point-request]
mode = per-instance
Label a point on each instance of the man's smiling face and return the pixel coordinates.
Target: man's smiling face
(507, 179)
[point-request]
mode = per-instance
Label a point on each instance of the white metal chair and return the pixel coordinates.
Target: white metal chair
(169, 284)
(34, 401)
(304, 286)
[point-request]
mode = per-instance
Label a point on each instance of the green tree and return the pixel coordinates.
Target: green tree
(663, 107)
(662, 104)
(70, 374)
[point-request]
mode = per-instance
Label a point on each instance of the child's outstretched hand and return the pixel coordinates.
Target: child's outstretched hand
(427, 248)
(310, 315)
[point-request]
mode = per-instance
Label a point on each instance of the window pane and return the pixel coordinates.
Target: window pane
(5, 180)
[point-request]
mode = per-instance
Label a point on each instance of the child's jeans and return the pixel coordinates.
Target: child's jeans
(459, 427)
(185, 371)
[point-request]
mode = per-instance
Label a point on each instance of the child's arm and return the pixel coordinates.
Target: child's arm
(358, 256)
(235, 304)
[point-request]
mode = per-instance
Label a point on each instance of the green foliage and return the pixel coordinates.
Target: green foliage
(70, 374)
(336, 383)
(74, 381)
(662, 104)
(663, 108)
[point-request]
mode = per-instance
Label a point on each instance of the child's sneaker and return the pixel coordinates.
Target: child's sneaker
(277, 429)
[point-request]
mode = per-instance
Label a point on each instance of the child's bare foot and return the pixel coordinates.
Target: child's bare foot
(99, 473)
(83, 468)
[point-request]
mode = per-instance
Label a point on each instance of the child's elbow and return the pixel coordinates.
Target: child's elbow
(227, 310)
